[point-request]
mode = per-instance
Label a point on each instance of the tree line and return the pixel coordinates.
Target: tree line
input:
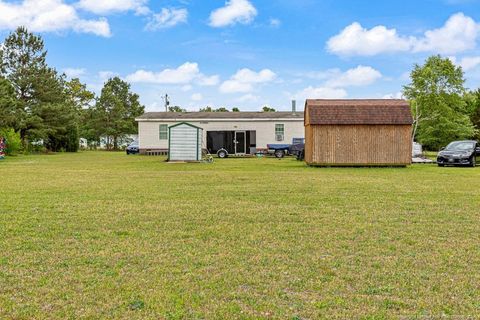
(221, 109)
(41, 109)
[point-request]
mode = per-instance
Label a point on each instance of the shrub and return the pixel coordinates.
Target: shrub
(13, 141)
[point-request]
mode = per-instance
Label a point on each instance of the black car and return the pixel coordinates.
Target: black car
(459, 153)
(133, 148)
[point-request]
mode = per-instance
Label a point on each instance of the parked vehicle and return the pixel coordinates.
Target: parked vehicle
(417, 150)
(133, 148)
(281, 150)
(298, 150)
(459, 153)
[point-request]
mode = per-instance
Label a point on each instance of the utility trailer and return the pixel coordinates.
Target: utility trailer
(231, 143)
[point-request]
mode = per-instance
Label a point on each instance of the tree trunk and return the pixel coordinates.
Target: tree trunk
(23, 138)
(417, 119)
(415, 126)
(115, 143)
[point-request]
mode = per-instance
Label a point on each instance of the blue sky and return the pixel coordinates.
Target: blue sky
(250, 53)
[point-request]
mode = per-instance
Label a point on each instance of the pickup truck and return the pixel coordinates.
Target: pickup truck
(281, 150)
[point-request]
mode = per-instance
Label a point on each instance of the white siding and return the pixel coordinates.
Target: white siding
(265, 131)
(184, 144)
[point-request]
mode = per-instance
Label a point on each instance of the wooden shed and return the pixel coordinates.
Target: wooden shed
(358, 132)
(184, 142)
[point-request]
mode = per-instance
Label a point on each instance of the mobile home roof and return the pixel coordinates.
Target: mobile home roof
(183, 116)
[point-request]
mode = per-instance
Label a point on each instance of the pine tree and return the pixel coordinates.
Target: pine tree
(22, 62)
(116, 111)
(9, 106)
(47, 107)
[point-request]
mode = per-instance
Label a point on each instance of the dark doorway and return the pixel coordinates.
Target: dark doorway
(240, 142)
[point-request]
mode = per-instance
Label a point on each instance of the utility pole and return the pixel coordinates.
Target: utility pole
(167, 102)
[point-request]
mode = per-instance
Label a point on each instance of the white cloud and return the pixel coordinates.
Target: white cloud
(167, 18)
(321, 93)
(356, 77)
(197, 97)
(247, 75)
(248, 98)
(105, 75)
(99, 27)
(459, 34)
(405, 76)
(234, 11)
(397, 95)
(356, 40)
(74, 72)
(184, 74)
(208, 81)
(244, 79)
(275, 23)
(186, 88)
(233, 86)
(467, 63)
(113, 6)
(335, 81)
(48, 16)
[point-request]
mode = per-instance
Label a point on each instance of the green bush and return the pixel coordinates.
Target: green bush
(35, 148)
(13, 141)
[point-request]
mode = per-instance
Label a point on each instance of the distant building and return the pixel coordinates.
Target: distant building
(240, 133)
(107, 142)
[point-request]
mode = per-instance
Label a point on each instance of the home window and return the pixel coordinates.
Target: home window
(279, 132)
(163, 132)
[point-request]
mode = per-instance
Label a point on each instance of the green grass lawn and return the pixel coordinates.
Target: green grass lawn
(103, 235)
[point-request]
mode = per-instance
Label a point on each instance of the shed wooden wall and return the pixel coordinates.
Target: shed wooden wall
(358, 145)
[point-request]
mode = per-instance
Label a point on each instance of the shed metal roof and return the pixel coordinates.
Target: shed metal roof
(371, 111)
(184, 123)
(181, 116)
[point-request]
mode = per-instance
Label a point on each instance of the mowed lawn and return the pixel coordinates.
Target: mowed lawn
(100, 235)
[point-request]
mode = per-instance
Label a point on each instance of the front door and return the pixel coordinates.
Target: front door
(240, 142)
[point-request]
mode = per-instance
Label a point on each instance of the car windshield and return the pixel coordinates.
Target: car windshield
(460, 146)
(134, 144)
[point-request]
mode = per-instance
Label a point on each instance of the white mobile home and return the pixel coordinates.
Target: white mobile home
(240, 133)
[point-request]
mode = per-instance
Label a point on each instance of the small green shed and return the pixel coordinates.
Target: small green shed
(185, 142)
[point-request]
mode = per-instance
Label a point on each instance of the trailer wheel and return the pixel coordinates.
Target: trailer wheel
(222, 154)
(279, 154)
